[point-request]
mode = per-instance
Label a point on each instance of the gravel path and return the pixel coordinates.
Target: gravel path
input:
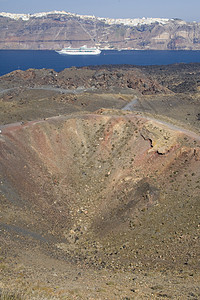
(131, 107)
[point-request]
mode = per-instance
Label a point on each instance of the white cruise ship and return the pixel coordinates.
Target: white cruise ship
(80, 51)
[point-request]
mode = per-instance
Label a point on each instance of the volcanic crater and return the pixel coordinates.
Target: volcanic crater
(99, 205)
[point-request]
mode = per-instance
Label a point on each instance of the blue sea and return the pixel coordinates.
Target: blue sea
(11, 60)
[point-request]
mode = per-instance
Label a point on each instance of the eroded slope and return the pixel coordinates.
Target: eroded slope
(109, 191)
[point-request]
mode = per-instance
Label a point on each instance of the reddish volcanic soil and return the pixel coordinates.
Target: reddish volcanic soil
(101, 205)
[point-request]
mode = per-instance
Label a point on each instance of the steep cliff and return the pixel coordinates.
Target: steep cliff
(55, 30)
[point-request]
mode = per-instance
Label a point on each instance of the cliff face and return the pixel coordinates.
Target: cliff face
(60, 29)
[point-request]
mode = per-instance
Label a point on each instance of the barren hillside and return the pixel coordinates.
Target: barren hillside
(95, 202)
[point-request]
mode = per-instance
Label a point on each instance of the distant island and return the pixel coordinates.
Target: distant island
(58, 29)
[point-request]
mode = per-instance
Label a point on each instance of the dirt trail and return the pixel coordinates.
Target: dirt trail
(189, 133)
(4, 91)
(61, 90)
(130, 107)
(50, 88)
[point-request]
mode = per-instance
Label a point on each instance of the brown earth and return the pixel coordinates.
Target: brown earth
(98, 203)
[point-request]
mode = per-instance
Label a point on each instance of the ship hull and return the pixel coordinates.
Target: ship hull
(80, 51)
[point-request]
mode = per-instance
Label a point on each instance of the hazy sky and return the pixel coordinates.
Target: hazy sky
(188, 10)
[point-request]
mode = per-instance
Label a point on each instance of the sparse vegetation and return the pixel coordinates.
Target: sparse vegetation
(10, 296)
(99, 204)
